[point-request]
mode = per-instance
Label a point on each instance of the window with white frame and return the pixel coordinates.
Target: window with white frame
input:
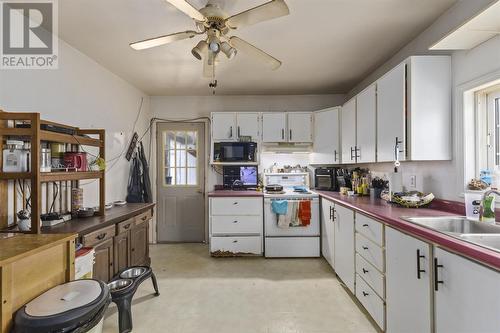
(488, 129)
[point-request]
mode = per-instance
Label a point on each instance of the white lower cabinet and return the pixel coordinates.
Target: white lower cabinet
(408, 283)
(236, 226)
(344, 245)
(327, 230)
(467, 295)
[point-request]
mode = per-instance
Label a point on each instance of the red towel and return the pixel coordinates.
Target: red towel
(305, 212)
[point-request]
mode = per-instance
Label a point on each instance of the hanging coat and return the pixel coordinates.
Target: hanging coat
(146, 181)
(135, 188)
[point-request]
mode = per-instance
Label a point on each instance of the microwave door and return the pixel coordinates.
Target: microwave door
(323, 182)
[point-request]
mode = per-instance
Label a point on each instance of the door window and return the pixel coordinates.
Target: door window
(180, 164)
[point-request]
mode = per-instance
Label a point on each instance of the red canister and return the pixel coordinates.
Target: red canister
(76, 161)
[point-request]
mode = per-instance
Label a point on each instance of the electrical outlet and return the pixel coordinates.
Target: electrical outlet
(413, 181)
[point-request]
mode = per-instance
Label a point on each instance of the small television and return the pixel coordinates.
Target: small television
(248, 175)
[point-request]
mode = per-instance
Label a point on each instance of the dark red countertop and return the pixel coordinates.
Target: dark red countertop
(391, 216)
(230, 193)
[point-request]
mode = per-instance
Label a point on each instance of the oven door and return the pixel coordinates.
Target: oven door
(271, 221)
(324, 182)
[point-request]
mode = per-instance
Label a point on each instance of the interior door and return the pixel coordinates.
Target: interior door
(274, 127)
(391, 119)
(408, 292)
(326, 148)
(299, 127)
(248, 125)
(366, 112)
(181, 182)
(348, 122)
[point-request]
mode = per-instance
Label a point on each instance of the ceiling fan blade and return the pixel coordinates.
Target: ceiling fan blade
(267, 11)
(157, 41)
(188, 9)
(208, 64)
(254, 52)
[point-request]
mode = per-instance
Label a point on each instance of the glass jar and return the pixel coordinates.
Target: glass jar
(15, 157)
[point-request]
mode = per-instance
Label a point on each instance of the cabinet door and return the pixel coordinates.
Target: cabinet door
(326, 148)
(468, 299)
(327, 231)
(224, 126)
(274, 127)
(391, 120)
(248, 124)
(139, 245)
(122, 251)
(299, 127)
(408, 293)
(104, 261)
(344, 245)
(366, 112)
(348, 121)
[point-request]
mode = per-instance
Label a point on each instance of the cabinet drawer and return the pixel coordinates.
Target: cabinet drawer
(141, 218)
(373, 253)
(98, 236)
(125, 225)
(370, 274)
(370, 228)
(236, 206)
(227, 225)
(238, 245)
(370, 300)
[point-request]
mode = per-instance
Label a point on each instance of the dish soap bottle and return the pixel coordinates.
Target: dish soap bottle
(488, 209)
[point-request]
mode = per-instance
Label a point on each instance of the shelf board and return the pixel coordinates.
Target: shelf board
(234, 163)
(70, 175)
(16, 132)
(54, 176)
(67, 138)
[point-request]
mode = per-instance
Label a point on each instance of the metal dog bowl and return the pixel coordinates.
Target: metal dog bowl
(118, 285)
(132, 272)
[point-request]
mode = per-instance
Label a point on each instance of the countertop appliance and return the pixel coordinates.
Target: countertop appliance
(325, 178)
(239, 152)
(240, 176)
(302, 241)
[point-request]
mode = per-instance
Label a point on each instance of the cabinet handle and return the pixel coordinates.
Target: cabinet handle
(436, 275)
(365, 271)
(132, 249)
(334, 212)
(365, 293)
(331, 213)
(283, 134)
(335, 155)
(144, 218)
(365, 247)
(419, 269)
(238, 132)
(365, 225)
(101, 236)
(290, 135)
(230, 132)
(126, 226)
(356, 150)
(397, 149)
(235, 241)
(235, 221)
(352, 153)
(235, 203)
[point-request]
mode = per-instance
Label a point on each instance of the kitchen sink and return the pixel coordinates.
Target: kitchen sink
(491, 241)
(455, 225)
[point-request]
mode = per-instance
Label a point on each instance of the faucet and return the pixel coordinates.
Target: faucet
(485, 195)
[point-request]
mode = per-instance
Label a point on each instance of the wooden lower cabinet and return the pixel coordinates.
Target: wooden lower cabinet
(104, 260)
(139, 245)
(122, 251)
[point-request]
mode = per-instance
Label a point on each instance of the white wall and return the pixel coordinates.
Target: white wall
(84, 94)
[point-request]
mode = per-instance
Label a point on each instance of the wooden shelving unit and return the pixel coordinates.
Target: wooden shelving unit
(36, 136)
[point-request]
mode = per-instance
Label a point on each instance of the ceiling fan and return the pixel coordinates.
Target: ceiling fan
(213, 22)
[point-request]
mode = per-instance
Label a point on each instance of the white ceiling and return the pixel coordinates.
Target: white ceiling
(326, 46)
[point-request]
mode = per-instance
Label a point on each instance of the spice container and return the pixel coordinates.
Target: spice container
(15, 157)
(45, 160)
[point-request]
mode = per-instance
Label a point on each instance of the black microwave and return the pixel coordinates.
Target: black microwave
(235, 152)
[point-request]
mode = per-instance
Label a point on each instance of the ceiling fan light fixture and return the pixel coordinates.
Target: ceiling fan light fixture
(228, 50)
(200, 49)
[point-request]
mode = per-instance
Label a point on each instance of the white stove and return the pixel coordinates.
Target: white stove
(298, 241)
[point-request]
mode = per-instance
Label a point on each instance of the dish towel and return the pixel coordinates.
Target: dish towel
(280, 208)
(294, 211)
(305, 212)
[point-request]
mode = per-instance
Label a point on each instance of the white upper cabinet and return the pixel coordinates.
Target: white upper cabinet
(408, 283)
(300, 127)
(366, 112)
(274, 127)
(348, 121)
(326, 149)
(414, 110)
(391, 122)
(224, 126)
(466, 296)
(248, 124)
